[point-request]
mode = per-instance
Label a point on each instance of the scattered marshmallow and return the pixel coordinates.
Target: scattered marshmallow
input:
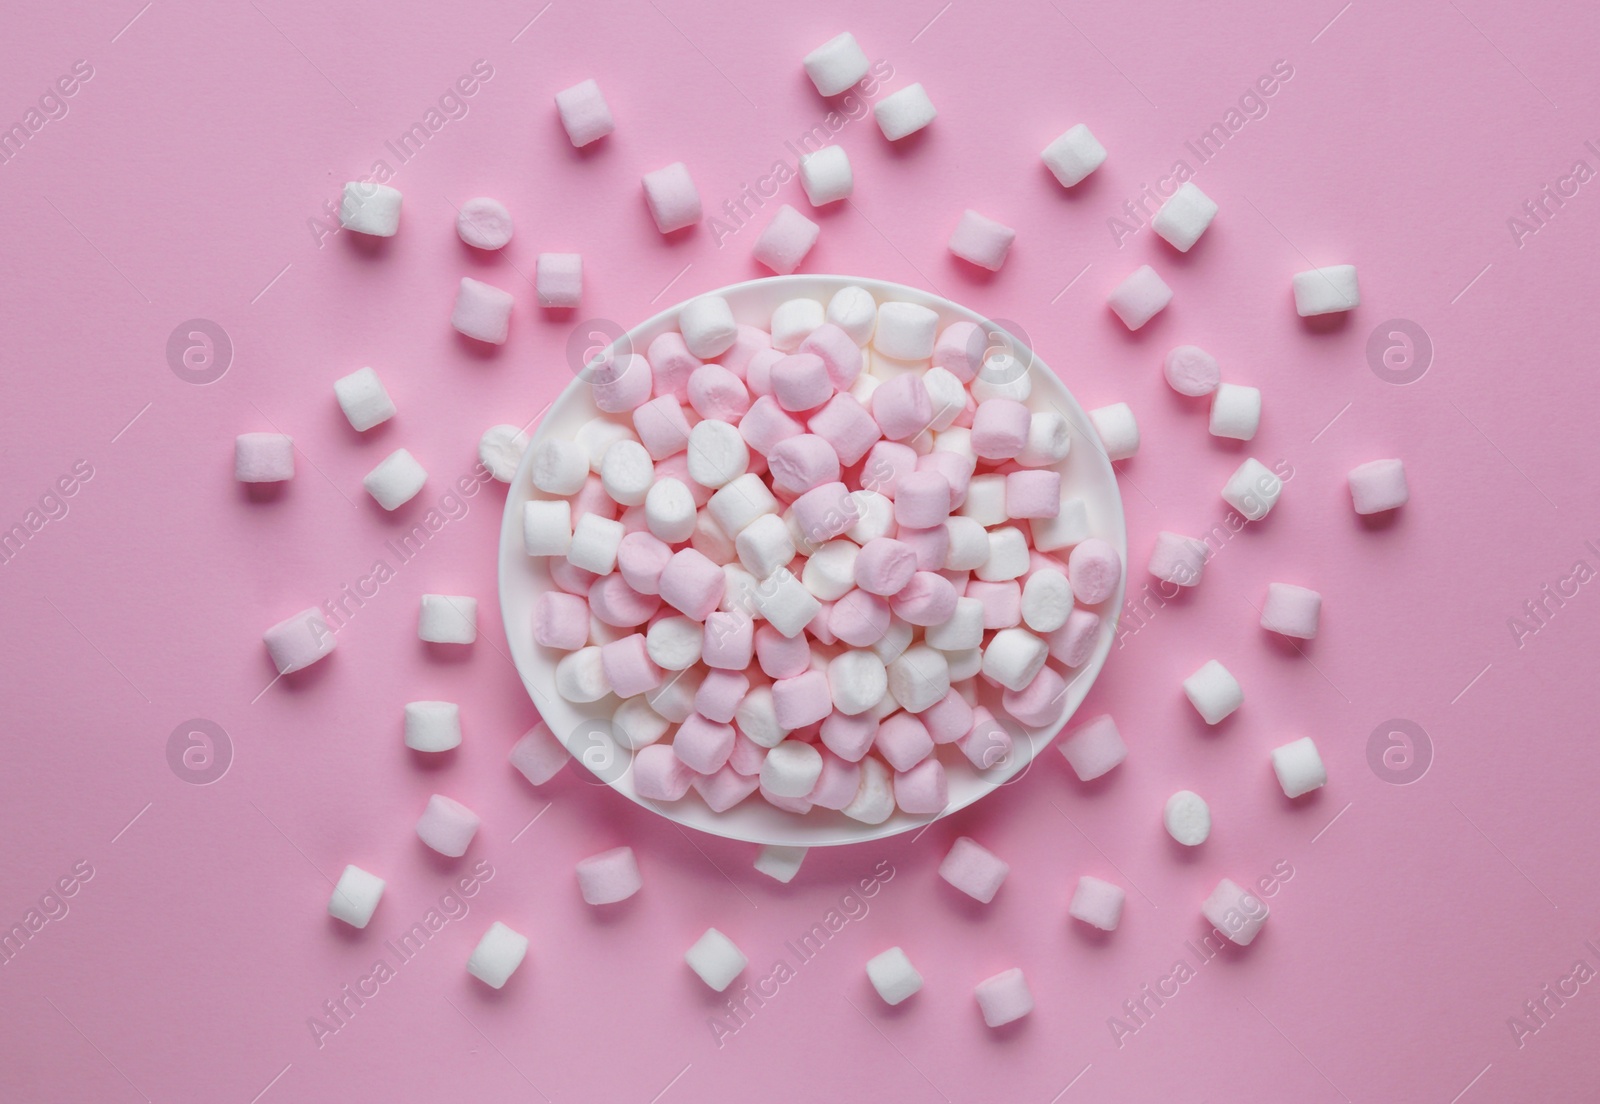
(1298, 767)
(1379, 485)
(1235, 412)
(1117, 429)
(1004, 998)
(1291, 610)
(363, 399)
(1187, 818)
(609, 877)
(369, 208)
(893, 976)
(558, 279)
(433, 726)
(1097, 903)
(716, 959)
(1140, 297)
(448, 619)
(1235, 912)
(785, 241)
(1074, 155)
(982, 240)
(973, 869)
(484, 223)
(836, 65)
(904, 112)
(1326, 290)
(396, 480)
(1252, 489)
(500, 451)
(482, 311)
(355, 896)
(584, 113)
(299, 641)
(826, 176)
(1178, 559)
(1213, 691)
(1185, 216)
(1190, 370)
(447, 826)
(1094, 747)
(672, 197)
(780, 863)
(538, 755)
(497, 955)
(263, 457)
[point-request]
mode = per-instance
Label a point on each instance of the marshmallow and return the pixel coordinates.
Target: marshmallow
(837, 64)
(1097, 903)
(584, 114)
(1190, 370)
(609, 877)
(538, 755)
(363, 399)
(902, 406)
(669, 511)
(986, 499)
(597, 435)
(800, 701)
(922, 500)
(1001, 602)
(1326, 290)
(893, 976)
(497, 955)
(766, 424)
(595, 541)
(726, 788)
(823, 512)
(432, 726)
(751, 341)
(1291, 610)
(1041, 703)
(884, 566)
(765, 545)
(1235, 912)
(636, 725)
(904, 112)
(1004, 998)
(1378, 485)
(1069, 527)
(785, 602)
(826, 176)
(482, 311)
(1013, 657)
(1094, 747)
(729, 642)
(948, 719)
(674, 698)
(263, 457)
(1074, 155)
(484, 223)
(962, 630)
(659, 775)
(1298, 767)
(1003, 376)
(841, 356)
(672, 198)
(620, 381)
(704, 745)
(1140, 297)
(447, 826)
(874, 799)
(671, 362)
(717, 454)
(396, 480)
(923, 790)
(999, 431)
(715, 958)
(1178, 559)
(1073, 643)
(780, 863)
(627, 472)
(968, 544)
(1008, 556)
(558, 279)
(674, 643)
(874, 514)
(793, 321)
(1213, 692)
(781, 656)
(1235, 412)
(800, 382)
(1046, 601)
(740, 502)
(641, 558)
(627, 666)
(1252, 489)
(757, 717)
(711, 540)
(859, 619)
(791, 769)
(905, 331)
(928, 599)
(857, 681)
(981, 240)
(691, 584)
(500, 451)
(1187, 818)
(1033, 494)
(369, 208)
(448, 619)
(717, 393)
(717, 700)
(1184, 216)
(355, 896)
(960, 349)
(547, 527)
(987, 744)
(829, 573)
(855, 311)
(786, 240)
(560, 620)
(918, 677)
(1095, 569)
(1117, 430)
(581, 676)
(973, 869)
(1049, 440)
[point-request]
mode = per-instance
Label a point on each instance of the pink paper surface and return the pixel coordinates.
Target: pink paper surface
(189, 178)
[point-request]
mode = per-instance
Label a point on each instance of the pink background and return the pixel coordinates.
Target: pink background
(1417, 919)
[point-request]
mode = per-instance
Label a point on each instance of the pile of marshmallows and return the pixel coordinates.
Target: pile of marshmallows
(800, 570)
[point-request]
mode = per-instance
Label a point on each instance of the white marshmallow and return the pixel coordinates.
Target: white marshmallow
(1235, 411)
(1187, 818)
(626, 473)
(826, 175)
(369, 208)
(669, 511)
(674, 643)
(674, 698)
(857, 680)
(711, 540)
(785, 602)
(919, 677)
(1074, 155)
(1049, 441)
(547, 527)
(1013, 657)
(1117, 430)
(948, 395)
(905, 331)
(1066, 529)
(363, 399)
(1004, 376)
(1252, 489)
(969, 545)
(764, 546)
(1326, 290)
(599, 434)
(497, 955)
(836, 64)
(739, 591)
(594, 544)
(433, 725)
(893, 976)
(793, 322)
(1046, 601)
(874, 517)
(717, 454)
(355, 896)
(1097, 903)
(1185, 216)
(874, 799)
(716, 959)
(866, 383)
(855, 311)
(894, 642)
(740, 502)
(579, 676)
(635, 724)
(757, 718)
(1235, 912)
(1140, 297)
(1213, 692)
(904, 112)
(963, 631)
(708, 326)
(830, 572)
(448, 619)
(396, 481)
(955, 439)
(559, 467)
(500, 451)
(986, 500)
(1008, 556)
(965, 664)
(1298, 767)
(791, 769)
(780, 863)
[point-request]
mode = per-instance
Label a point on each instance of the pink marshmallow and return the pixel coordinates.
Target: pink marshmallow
(1000, 429)
(747, 755)
(692, 584)
(802, 700)
(671, 365)
(299, 641)
(719, 695)
(887, 463)
(1378, 485)
(729, 641)
(447, 826)
(841, 356)
(1041, 703)
(570, 578)
(781, 656)
(957, 469)
(931, 546)
(766, 423)
(482, 311)
(585, 115)
(558, 279)
(641, 558)
(901, 406)
(593, 499)
(948, 719)
(659, 775)
(960, 350)
(825, 512)
(1033, 494)
(609, 877)
(1094, 747)
(619, 605)
(1094, 569)
(987, 744)
(837, 784)
(725, 789)
(797, 805)
(1002, 602)
(749, 341)
(1291, 611)
(628, 667)
(560, 620)
(263, 457)
(800, 382)
(849, 738)
(1073, 643)
(845, 424)
(922, 790)
(922, 500)
(982, 241)
(819, 628)
(758, 372)
(538, 755)
(884, 566)
(903, 741)
(672, 197)
(677, 467)
(801, 463)
(717, 394)
(785, 241)
(860, 619)
(703, 745)
(974, 869)
(928, 599)
(1004, 998)
(621, 382)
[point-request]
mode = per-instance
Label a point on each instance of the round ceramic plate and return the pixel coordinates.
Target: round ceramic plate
(585, 729)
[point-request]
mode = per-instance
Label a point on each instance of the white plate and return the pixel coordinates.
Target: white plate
(1086, 473)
